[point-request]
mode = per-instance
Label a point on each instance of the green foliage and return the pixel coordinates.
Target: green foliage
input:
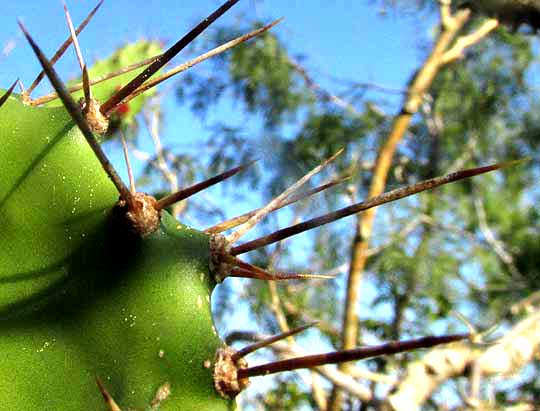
(320, 136)
(259, 74)
(262, 76)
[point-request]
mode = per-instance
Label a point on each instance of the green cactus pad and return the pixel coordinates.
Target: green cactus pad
(79, 298)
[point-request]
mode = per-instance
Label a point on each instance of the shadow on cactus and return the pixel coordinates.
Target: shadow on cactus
(105, 297)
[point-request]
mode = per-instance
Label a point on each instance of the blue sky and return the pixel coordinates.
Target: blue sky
(347, 39)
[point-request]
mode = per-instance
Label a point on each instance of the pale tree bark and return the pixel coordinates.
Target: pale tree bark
(504, 358)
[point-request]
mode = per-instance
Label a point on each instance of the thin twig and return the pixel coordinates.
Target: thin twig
(64, 47)
(403, 233)
(362, 373)
(125, 91)
(75, 113)
(365, 205)
(152, 120)
(319, 395)
(317, 89)
(324, 326)
(497, 245)
(264, 211)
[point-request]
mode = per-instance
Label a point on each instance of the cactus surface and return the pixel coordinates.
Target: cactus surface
(81, 298)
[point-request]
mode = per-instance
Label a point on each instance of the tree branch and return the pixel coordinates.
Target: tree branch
(464, 42)
(511, 353)
(450, 27)
(497, 245)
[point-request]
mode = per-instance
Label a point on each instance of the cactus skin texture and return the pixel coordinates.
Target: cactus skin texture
(80, 298)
